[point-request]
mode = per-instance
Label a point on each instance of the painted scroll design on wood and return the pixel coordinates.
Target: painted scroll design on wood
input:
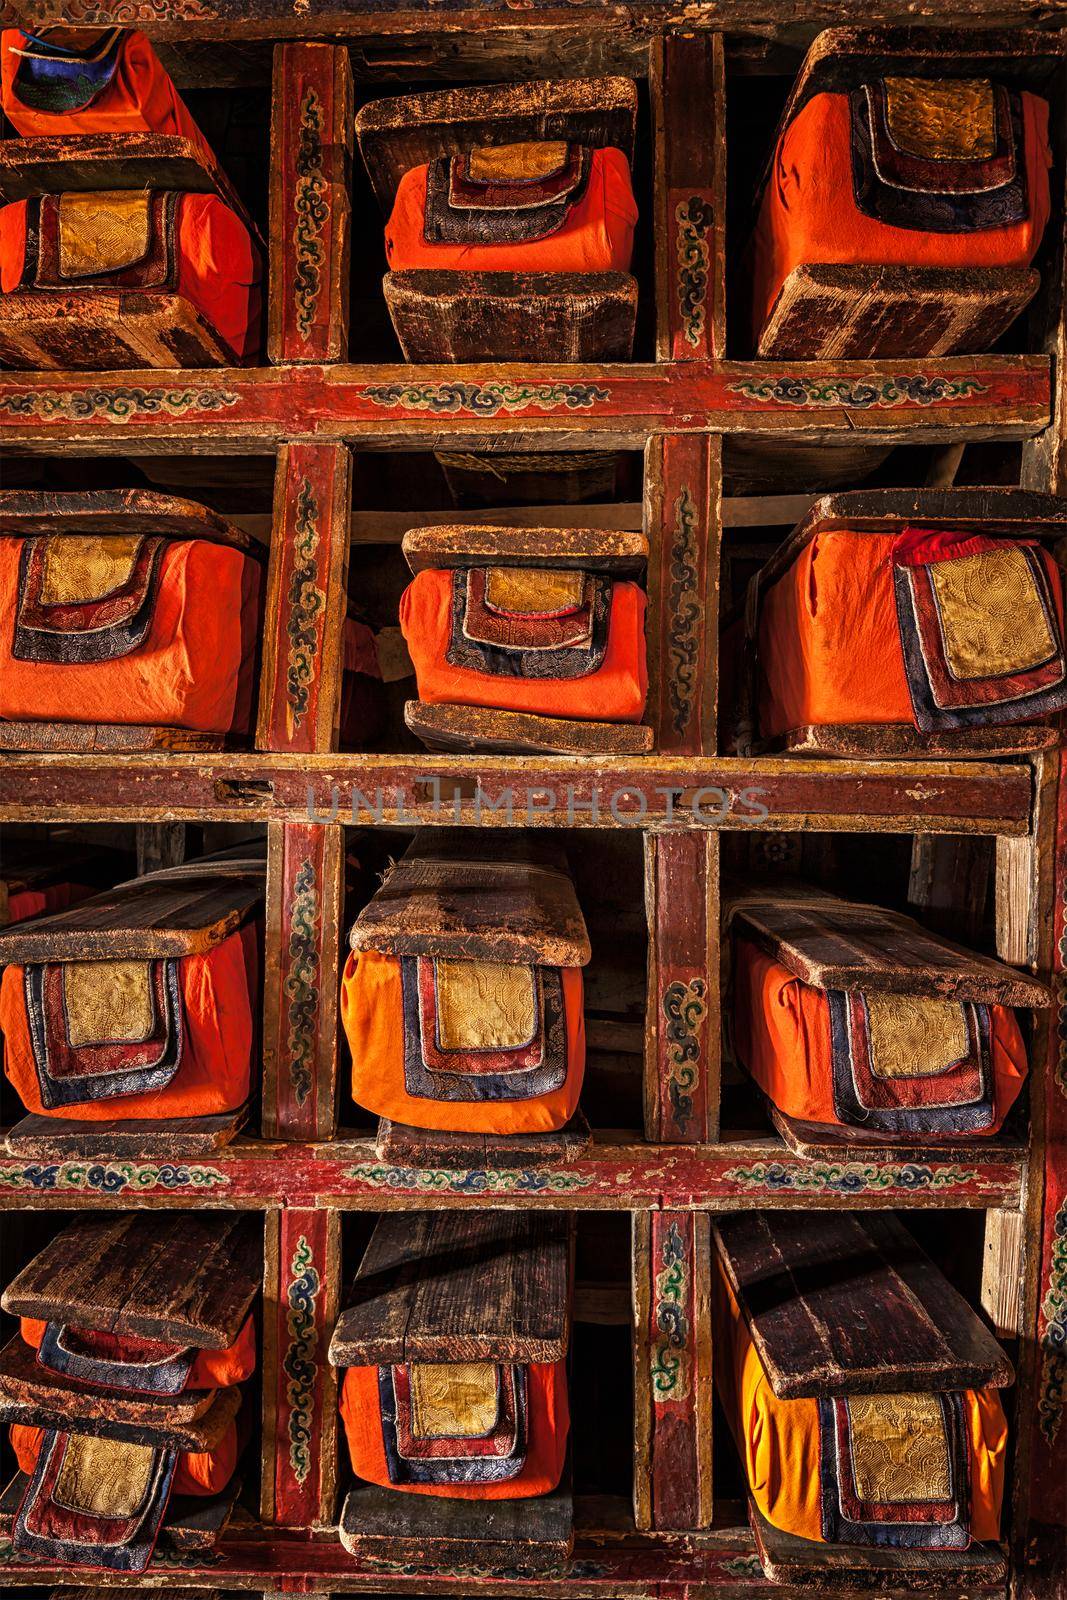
(693, 219)
(474, 1180)
(299, 1364)
(855, 393)
(683, 636)
(312, 208)
(131, 14)
(301, 982)
(486, 399)
(848, 1177)
(1052, 1389)
(670, 1363)
(112, 1177)
(685, 1008)
(114, 405)
(306, 605)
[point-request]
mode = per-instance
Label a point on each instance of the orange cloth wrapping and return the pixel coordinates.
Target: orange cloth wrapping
(212, 1369)
(219, 996)
(372, 1012)
(35, 902)
(196, 1472)
(835, 607)
(616, 692)
(547, 1420)
(193, 670)
(809, 214)
(596, 237)
(781, 1033)
(140, 98)
(218, 266)
(778, 1440)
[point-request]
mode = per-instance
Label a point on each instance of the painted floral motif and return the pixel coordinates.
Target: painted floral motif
(1052, 1390)
(312, 210)
(111, 1177)
(113, 405)
(857, 394)
(683, 632)
(486, 399)
(685, 1008)
(475, 1180)
(846, 1177)
(306, 604)
(670, 1367)
(694, 219)
(743, 1567)
(300, 1365)
(301, 988)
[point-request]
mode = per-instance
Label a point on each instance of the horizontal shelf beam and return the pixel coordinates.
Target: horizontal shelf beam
(784, 794)
(889, 402)
(618, 1174)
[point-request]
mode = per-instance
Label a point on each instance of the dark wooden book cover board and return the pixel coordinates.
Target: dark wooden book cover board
(459, 1286)
(837, 944)
(458, 727)
(192, 1522)
(169, 1139)
(423, 1147)
(107, 330)
(847, 1303)
(533, 1534)
(182, 1277)
(511, 901)
(403, 132)
(821, 1141)
(889, 741)
(622, 553)
(105, 738)
(45, 513)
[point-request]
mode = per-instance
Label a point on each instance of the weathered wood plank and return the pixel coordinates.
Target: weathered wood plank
(424, 1149)
(682, 1044)
(532, 1535)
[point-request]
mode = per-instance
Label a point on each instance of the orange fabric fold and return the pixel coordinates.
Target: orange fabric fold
(194, 669)
(781, 1034)
(212, 1369)
(219, 269)
(596, 237)
(219, 993)
(140, 98)
(809, 214)
(372, 1013)
(778, 1440)
(616, 692)
(35, 902)
(548, 1423)
(197, 1472)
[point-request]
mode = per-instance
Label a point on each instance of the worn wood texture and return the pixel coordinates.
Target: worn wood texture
(510, 316)
(621, 552)
(104, 738)
(818, 1141)
(62, 163)
(683, 497)
(515, 1536)
(892, 740)
(851, 1305)
(106, 330)
(509, 901)
(181, 1278)
(310, 209)
(303, 640)
(682, 1036)
(488, 1286)
(44, 513)
(688, 92)
(301, 1292)
(426, 1150)
(305, 901)
(479, 728)
(167, 1138)
(672, 1371)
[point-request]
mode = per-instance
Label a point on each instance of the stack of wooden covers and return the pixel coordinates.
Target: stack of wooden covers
(118, 217)
(123, 1385)
(455, 1390)
(130, 1020)
(462, 1002)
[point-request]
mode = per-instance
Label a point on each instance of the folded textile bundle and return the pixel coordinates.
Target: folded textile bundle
(891, 156)
(536, 621)
(122, 1387)
(897, 1034)
(462, 998)
(872, 1446)
(141, 1002)
(126, 608)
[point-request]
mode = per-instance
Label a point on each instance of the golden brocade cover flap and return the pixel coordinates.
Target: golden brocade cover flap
(914, 1037)
(104, 1477)
(108, 1001)
(992, 618)
(900, 1452)
(485, 1005)
(80, 568)
(942, 119)
(516, 163)
(453, 1400)
(533, 591)
(103, 232)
